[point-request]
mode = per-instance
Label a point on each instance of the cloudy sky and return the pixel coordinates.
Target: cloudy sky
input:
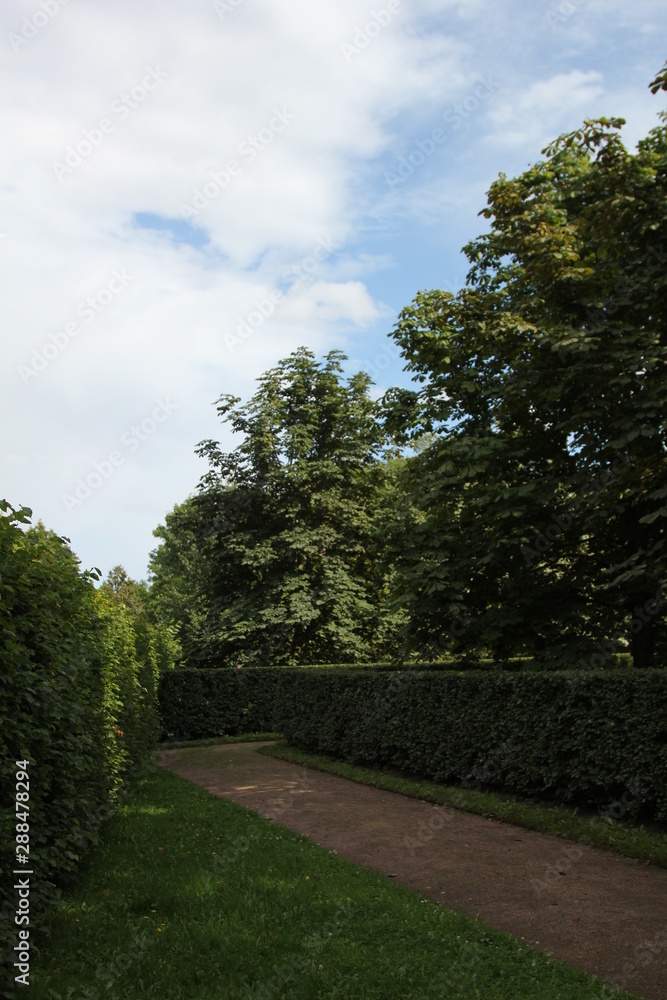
(191, 191)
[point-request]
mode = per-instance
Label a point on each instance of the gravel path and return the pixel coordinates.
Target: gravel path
(595, 910)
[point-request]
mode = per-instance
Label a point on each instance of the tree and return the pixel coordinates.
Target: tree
(176, 580)
(541, 523)
(288, 522)
(155, 642)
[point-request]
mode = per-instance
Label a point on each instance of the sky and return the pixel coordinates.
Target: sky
(191, 191)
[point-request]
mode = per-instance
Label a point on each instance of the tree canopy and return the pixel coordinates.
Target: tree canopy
(541, 502)
(287, 524)
(512, 504)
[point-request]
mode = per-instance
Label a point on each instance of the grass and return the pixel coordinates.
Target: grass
(192, 896)
(213, 741)
(633, 842)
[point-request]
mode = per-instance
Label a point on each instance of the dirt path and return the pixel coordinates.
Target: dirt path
(597, 911)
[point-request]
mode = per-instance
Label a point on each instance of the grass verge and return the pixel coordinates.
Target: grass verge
(633, 842)
(212, 741)
(191, 897)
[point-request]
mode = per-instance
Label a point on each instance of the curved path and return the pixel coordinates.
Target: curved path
(597, 911)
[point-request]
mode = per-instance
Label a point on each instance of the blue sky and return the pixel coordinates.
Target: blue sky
(190, 192)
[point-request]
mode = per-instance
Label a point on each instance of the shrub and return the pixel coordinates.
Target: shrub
(130, 690)
(195, 704)
(75, 701)
(584, 738)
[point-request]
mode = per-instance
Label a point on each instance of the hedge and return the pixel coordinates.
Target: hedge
(195, 704)
(584, 738)
(76, 702)
(580, 737)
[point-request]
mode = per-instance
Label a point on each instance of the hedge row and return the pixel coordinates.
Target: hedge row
(593, 739)
(195, 704)
(78, 701)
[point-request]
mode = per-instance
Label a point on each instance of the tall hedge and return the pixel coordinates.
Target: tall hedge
(200, 703)
(585, 738)
(75, 701)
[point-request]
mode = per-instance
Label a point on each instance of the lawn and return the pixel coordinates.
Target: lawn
(191, 896)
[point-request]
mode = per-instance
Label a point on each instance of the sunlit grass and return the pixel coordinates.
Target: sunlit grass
(191, 896)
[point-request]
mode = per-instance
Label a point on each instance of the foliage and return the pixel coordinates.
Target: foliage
(202, 703)
(155, 641)
(75, 701)
(130, 690)
(290, 523)
(584, 739)
(176, 570)
(536, 517)
(660, 82)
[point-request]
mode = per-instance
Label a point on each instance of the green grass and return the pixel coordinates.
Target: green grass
(192, 896)
(633, 842)
(212, 741)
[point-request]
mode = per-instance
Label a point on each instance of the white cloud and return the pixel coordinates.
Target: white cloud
(216, 84)
(539, 113)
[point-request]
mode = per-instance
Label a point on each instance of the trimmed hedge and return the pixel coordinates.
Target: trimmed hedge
(584, 738)
(593, 739)
(77, 700)
(196, 704)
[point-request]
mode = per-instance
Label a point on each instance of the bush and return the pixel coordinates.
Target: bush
(131, 726)
(195, 704)
(75, 701)
(583, 738)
